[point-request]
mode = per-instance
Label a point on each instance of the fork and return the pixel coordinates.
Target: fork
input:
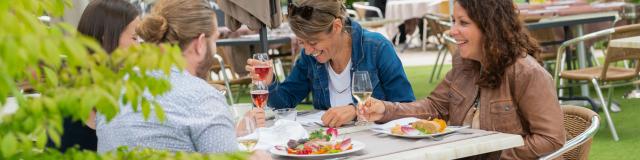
(439, 138)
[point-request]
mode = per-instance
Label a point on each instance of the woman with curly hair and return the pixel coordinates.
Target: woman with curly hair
(496, 84)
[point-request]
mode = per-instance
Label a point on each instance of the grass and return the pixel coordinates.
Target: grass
(603, 146)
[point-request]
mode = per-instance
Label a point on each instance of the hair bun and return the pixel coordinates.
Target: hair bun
(153, 28)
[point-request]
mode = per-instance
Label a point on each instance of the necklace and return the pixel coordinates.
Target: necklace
(341, 91)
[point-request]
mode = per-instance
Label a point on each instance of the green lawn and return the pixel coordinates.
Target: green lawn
(603, 145)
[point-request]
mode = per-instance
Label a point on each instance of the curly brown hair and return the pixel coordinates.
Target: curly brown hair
(504, 37)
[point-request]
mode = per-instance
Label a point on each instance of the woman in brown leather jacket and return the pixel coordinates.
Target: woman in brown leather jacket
(496, 83)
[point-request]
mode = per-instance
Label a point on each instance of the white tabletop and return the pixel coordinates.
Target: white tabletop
(629, 42)
(451, 147)
(407, 9)
(461, 149)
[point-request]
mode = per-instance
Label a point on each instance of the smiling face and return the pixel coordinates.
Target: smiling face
(323, 45)
(466, 33)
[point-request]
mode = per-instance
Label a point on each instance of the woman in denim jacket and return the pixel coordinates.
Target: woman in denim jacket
(335, 47)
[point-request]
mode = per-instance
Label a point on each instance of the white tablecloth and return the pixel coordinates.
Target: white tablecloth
(407, 9)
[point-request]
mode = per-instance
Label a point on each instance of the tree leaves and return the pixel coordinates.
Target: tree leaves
(56, 61)
(8, 145)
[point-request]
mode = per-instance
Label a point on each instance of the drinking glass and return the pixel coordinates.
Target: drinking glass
(262, 69)
(361, 89)
(259, 94)
(247, 132)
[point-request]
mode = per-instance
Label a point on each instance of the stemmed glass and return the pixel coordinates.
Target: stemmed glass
(247, 132)
(262, 69)
(361, 89)
(259, 94)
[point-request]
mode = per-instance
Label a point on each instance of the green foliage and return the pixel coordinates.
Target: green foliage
(73, 75)
(124, 153)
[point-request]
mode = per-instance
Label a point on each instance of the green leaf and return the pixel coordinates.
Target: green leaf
(146, 108)
(159, 111)
(9, 143)
(55, 136)
(51, 77)
(41, 140)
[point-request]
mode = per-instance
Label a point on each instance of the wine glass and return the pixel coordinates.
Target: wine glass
(361, 89)
(259, 94)
(262, 69)
(247, 132)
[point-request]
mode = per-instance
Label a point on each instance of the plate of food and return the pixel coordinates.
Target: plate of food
(416, 128)
(321, 143)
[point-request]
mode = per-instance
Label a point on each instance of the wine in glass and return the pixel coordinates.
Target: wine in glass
(361, 89)
(262, 69)
(247, 132)
(260, 94)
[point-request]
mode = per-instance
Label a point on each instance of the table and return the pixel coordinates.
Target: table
(533, 13)
(407, 9)
(629, 42)
(252, 40)
(578, 21)
(452, 147)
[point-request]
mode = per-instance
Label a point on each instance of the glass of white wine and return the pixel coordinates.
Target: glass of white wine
(361, 89)
(247, 132)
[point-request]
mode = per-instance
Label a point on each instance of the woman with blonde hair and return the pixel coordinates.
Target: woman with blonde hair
(495, 84)
(335, 47)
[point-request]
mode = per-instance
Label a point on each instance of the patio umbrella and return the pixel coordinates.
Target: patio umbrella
(252, 13)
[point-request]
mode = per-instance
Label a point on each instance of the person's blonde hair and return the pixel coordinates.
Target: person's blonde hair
(321, 20)
(180, 22)
(177, 22)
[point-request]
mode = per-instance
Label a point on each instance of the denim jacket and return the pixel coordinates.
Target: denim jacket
(370, 52)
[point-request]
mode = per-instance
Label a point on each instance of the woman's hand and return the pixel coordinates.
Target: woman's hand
(259, 115)
(337, 116)
(373, 109)
(252, 63)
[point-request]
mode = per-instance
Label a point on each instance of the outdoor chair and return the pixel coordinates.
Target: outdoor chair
(580, 124)
(605, 76)
(224, 74)
(439, 29)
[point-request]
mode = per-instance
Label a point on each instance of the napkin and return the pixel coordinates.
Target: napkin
(279, 134)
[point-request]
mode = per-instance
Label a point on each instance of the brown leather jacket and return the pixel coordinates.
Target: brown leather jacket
(525, 103)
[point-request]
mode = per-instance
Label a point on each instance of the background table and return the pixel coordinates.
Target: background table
(629, 42)
(400, 10)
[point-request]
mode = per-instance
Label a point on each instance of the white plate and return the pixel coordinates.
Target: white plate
(357, 146)
(386, 128)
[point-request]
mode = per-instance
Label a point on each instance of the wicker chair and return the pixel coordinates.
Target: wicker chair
(581, 124)
(606, 76)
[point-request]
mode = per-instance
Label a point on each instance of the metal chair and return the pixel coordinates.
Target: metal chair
(444, 42)
(362, 8)
(225, 75)
(581, 124)
(605, 76)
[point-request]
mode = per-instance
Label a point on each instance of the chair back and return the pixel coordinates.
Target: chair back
(615, 54)
(362, 8)
(581, 124)
(439, 27)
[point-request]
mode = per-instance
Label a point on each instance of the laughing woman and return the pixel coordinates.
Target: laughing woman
(496, 83)
(334, 48)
